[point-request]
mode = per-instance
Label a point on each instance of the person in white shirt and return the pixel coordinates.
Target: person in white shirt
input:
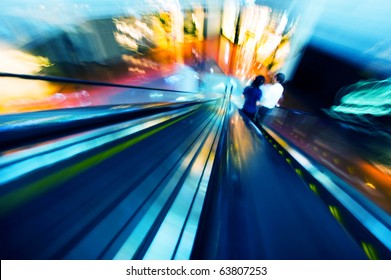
(271, 94)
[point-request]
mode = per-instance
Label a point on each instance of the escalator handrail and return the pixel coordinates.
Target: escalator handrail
(86, 82)
(15, 134)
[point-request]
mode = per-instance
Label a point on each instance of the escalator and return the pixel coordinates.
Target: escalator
(118, 190)
(260, 209)
(191, 180)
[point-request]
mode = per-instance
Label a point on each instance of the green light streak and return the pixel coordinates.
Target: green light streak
(369, 250)
(366, 97)
(336, 213)
(314, 188)
(16, 198)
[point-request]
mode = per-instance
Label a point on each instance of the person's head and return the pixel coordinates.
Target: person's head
(258, 81)
(279, 77)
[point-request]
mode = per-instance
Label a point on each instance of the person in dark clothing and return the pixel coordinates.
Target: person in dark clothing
(252, 94)
(271, 94)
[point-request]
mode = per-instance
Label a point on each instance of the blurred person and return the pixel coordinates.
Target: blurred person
(271, 95)
(252, 95)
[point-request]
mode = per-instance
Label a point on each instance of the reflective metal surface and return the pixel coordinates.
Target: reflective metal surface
(121, 191)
